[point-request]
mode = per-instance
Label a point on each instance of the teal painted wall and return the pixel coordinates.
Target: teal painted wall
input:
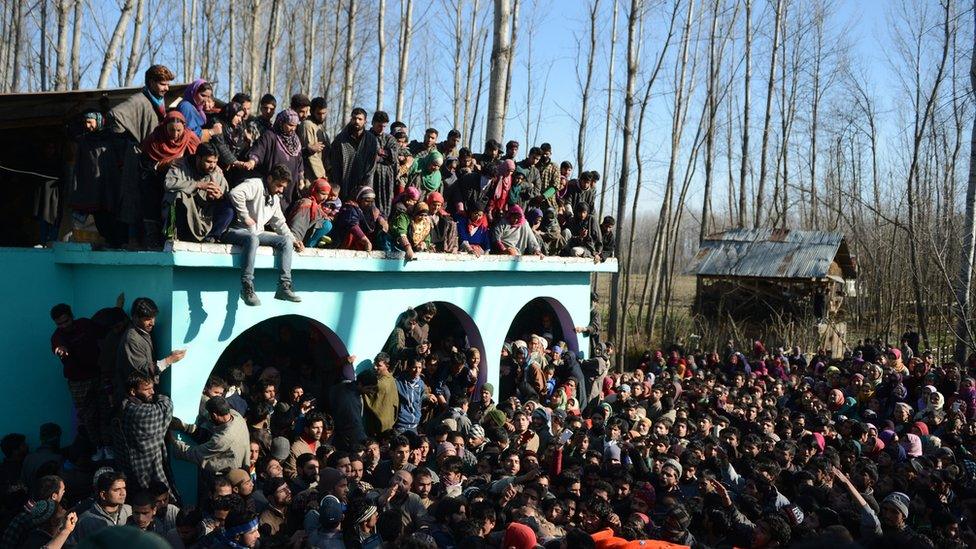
(356, 295)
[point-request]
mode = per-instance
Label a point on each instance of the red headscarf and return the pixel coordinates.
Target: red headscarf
(160, 147)
(435, 197)
(503, 184)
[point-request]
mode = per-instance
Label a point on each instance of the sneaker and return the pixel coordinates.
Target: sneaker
(99, 455)
(247, 294)
(107, 453)
(285, 292)
(324, 242)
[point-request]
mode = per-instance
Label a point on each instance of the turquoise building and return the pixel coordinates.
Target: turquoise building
(351, 298)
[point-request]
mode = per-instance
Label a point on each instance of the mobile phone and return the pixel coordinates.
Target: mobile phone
(564, 438)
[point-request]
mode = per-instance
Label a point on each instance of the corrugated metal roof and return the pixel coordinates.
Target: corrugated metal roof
(772, 253)
(29, 110)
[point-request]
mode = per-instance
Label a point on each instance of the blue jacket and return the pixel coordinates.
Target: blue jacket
(411, 401)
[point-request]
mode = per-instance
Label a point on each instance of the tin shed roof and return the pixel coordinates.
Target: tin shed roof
(772, 253)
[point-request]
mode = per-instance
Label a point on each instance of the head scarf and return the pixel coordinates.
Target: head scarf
(365, 193)
(159, 147)
(42, 512)
(315, 210)
(517, 211)
(428, 181)
(409, 193)
(97, 117)
(191, 93)
(435, 197)
(232, 134)
(289, 142)
(503, 183)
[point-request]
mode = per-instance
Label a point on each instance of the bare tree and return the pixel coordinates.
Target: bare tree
(15, 53)
(747, 84)
(381, 53)
(61, 54)
(968, 253)
(270, 69)
(622, 192)
(112, 51)
(406, 33)
(501, 56)
(585, 89)
(253, 83)
(347, 80)
(79, 13)
(610, 90)
(768, 118)
(135, 54)
(516, 6)
(43, 61)
(467, 130)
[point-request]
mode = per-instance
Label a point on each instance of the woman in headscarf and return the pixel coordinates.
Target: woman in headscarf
(473, 233)
(311, 218)
(359, 225)
(232, 143)
(420, 228)
(444, 233)
(197, 98)
(281, 146)
(425, 174)
(170, 141)
(513, 236)
(502, 185)
(400, 220)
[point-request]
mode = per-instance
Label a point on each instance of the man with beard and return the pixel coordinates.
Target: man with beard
(387, 162)
(136, 349)
(140, 442)
(352, 156)
(549, 180)
(529, 165)
(314, 141)
(275, 527)
(421, 149)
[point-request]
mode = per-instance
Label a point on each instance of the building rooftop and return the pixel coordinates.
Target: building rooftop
(772, 253)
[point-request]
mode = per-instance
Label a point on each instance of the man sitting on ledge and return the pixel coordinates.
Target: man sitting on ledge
(256, 204)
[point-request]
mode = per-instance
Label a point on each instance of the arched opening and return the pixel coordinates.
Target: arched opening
(549, 319)
(291, 350)
(450, 330)
(546, 317)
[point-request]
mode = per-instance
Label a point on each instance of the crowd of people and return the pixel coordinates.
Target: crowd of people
(742, 446)
(277, 178)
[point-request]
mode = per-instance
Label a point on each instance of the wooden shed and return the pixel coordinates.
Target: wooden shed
(753, 274)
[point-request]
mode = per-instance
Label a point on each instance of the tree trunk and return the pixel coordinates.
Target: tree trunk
(381, 54)
(406, 33)
(458, 51)
(921, 127)
(744, 160)
(232, 47)
(269, 72)
(615, 321)
(111, 52)
(467, 131)
(767, 120)
(347, 80)
(711, 106)
(585, 106)
(134, 52)
(481, 78)
(606, 132)
(511, 58)
(79, 13)
(18, 26)
(309, 57)
(252, 85)
(501, 54)
(43, 52)
(61, 55)
(964, 334)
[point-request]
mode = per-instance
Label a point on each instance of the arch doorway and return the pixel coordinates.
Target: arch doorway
(546, 317)
(291, 350)
(452, 327)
